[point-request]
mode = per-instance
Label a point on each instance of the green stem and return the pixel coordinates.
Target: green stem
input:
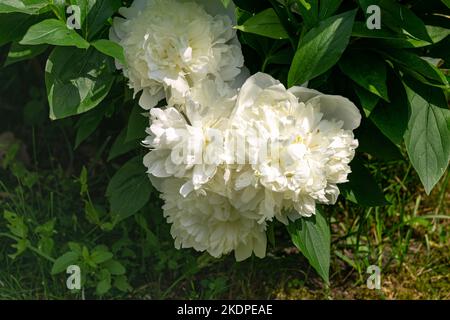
(55, 11)
(29, 246)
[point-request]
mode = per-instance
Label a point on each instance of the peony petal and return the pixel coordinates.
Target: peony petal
(243, 251)
(304, 94)
(260, 244)
(252, 88)
(338, 108)
(148, 100)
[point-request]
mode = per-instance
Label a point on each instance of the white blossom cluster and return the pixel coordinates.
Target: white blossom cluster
(229, 152)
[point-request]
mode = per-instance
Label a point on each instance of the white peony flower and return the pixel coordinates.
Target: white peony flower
(207, 221)
(170, 45)
(302, 141)
(188, 143)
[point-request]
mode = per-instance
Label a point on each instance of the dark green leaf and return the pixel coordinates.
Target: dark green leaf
(362, 188)
(104, 285)
(428, 136)
(321, 48)
(13, 26)
(360, 30)
(16, 224)
(110, 48)
(23, 6)
(374, 142)
(64, 261)
(436, 34)
(115, 267)
(19, 52)
(129, 189)
(100, 256)
(137, 123)
(77, 80)
(392, 118)
(367, 100)
(265, 23)
(55, 32)
(366, 69)
(312, 237)
(21, 245)
(413, 64)
(309, 10)
(87, 125)
(399, 17)
(94, 14)
(122, 284)
(121, 145)
(328, 7)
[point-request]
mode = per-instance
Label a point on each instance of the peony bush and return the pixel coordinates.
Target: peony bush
(242, 113)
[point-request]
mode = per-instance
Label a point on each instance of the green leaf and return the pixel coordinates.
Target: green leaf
(427, 138)
(312, 237)
(55, 32)
(446, 2)
(58, 8)
(368, 101)
(46, 245)
(137, 123)
(18, 52)
(321, 48)
(414, 65)
(100, 256)
(46, 229)
(21, 245)
(94, 14)
(436, 34)
(129, 189)
(309, 12)
(104, 285)
(110, 48)
(374, 142)
(75, 247)
(392, 118)
(115, 267)
(397, 15)
(328, 7)
(23, 6)
(64, 261)
(122, 284)
(366, 69)
(87, 124)
(16, 224)
(360, 30)
(90, 210)
(77, 80)
(121, 146)
(362, 188)
(265, 23)
(13, 26)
